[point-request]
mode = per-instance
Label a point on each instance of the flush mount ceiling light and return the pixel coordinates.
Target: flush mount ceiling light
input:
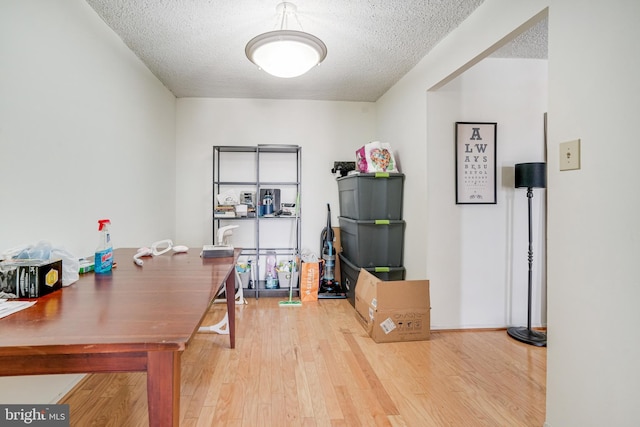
(286, 53)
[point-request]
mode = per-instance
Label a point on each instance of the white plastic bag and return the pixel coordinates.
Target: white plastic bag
(45, 251)
(70, 265)
(41, 250)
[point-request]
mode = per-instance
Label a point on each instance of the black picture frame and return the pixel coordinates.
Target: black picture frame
(476, 149)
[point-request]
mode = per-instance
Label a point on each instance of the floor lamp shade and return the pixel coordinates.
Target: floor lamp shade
(531, 175)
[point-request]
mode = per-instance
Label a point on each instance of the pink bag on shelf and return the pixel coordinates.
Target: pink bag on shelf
(375, 157)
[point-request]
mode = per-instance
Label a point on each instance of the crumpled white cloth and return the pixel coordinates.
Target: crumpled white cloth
(308, 256)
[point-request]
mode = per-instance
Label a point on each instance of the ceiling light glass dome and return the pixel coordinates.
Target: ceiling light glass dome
(286, 53)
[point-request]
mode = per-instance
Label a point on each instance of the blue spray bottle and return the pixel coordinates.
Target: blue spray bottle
(104, 251)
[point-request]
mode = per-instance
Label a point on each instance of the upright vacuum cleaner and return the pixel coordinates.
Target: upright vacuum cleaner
(329, 285)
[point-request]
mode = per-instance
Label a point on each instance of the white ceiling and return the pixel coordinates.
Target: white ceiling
(196, 47)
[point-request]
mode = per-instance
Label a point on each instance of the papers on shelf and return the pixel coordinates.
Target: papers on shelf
(10, 307)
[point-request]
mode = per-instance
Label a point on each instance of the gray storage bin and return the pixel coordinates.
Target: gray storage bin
(367, 196)
(349, 276)
(372, 243)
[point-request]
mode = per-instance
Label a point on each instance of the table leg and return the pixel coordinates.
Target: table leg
(230, 292)
(163, 388)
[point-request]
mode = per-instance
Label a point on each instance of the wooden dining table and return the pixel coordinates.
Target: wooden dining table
(136, 318)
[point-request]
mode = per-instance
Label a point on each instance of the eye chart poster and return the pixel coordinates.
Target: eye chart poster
(476, 163)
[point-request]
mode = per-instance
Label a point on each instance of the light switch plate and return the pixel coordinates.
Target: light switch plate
(570, 155)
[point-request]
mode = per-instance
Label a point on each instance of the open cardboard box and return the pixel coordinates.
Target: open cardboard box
(393, 310)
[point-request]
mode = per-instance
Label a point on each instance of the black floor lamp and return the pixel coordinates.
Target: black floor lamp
(530, 175)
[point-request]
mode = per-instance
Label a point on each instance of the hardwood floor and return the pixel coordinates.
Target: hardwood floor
(314, 366)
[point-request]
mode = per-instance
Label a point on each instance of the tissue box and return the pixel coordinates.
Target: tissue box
(30, 278)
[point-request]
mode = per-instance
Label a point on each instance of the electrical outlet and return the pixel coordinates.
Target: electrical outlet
(570, 155)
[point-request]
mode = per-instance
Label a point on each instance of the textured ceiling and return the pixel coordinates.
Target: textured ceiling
(196, 47)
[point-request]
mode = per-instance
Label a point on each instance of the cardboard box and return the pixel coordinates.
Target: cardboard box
(393, 310)
(349, 276)
(30, 278)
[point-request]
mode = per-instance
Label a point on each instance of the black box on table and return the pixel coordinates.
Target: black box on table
(30, 278)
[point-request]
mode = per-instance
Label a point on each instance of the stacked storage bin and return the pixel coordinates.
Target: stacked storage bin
(371, 227)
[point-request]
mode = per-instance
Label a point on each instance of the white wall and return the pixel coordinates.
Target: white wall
(402, 111)
(593, 373)
(478, 253)
(70, 89)
(417, 124)
(593, 232)
(326, 131)
(86, 132)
